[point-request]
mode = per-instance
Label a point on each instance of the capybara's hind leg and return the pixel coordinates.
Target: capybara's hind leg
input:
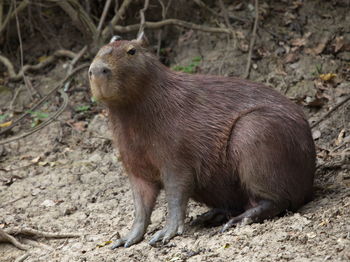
(263, 210)
(214, 217)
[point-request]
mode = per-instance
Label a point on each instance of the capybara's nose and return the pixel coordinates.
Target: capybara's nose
(98, 70)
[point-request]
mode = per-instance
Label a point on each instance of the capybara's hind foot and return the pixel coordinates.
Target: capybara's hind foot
(264, 209)
(214, 217)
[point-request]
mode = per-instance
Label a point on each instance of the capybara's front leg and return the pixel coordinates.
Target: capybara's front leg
(177, 189)
(144, 194)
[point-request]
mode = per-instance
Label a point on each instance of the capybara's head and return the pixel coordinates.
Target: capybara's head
(120, 70)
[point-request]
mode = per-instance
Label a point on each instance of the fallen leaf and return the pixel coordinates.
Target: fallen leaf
(339, 43)
(80, 125)
(327, 77)
(42, 163)
(35, 160)
(301, 41)
(42, 58)
(5, 124)
(316, 50)
(291, 58)
(105, 243)
(340, 137)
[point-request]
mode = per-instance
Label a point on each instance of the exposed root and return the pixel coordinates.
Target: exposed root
(7, 238)
(22, 258)
(176, 22)
(37, 233)
(50, 59)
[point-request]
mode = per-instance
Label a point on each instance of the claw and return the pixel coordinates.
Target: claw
(118, 243)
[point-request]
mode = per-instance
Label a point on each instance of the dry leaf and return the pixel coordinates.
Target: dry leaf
(105, 243)
(5, 124)
(327, 77)
(339, 43)
(301, 41)
(340, 137)
(80, 125)
(291, 58)
(35, 160)
(316, 50)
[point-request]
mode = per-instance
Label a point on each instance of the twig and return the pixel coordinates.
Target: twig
(11, 14)
(5, 237)
(164, 12)
(43, 124)
(176, 22)
(213, 12)
(102, 19)
(330, 111)
(41, 101)
(37, 233)
(15, 97)
(252, 40)
(75, 60)
(142, 17)
(16, 77)
(79, 17)
(119, 15)
(12, 201)
(22, 258)
(19, 34)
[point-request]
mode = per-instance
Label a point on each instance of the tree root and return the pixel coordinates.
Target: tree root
(37, 233)
(176, 22)
(50, 59)
(7, 236)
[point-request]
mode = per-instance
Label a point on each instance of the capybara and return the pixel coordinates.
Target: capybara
(239, 147)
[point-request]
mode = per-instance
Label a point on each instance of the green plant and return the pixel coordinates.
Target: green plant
(37, 116)
(3, 117)
(83, 108)
(191, 68)
(318, 70)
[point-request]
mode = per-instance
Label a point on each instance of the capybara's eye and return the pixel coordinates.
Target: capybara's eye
(131, 51)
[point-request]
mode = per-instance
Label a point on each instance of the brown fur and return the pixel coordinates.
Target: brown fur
(229, 142)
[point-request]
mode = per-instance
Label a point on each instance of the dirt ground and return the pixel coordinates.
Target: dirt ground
(66, 178)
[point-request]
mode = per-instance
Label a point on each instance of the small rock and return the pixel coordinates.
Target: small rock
(48, 203)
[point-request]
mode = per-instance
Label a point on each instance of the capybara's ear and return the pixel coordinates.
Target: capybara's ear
(115, 38)
(142, 40)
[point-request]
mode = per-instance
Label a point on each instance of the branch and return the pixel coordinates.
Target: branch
(11, 14)
(16, 77)
(103, 17)
(175, 22)
(79, 17)
(142, 17)
(106, 32)
(213, 12)
(252, 40)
